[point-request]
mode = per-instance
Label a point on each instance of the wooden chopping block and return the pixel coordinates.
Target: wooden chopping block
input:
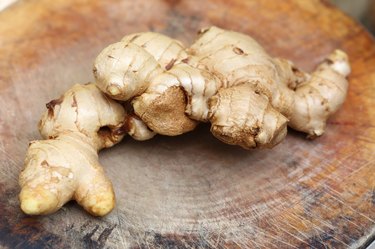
(192, 191)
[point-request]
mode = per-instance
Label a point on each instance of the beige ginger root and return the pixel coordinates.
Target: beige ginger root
(65, 166)
(225, 78)
(124, 69)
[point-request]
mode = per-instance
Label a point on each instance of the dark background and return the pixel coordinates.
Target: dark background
(361, 10)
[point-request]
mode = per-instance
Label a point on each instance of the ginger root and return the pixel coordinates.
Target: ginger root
(225, 78)
(65, 166)
(124, 70)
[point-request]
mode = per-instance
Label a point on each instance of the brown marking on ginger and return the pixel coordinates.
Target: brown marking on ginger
(95, 71)
(170, 64)
(120, 131)
(74, 104)
(295, 70)
(45, 164)
(329, 61)
(238, 51)
(202, 31)
(106, 133)
(126, 126)
(134, 38)
(51, 105)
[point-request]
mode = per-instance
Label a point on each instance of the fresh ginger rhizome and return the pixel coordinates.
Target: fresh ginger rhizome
(150, 84)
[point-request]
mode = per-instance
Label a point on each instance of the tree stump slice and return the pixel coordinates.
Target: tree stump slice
(193, 191)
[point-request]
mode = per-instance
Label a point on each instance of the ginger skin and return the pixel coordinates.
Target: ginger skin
(225, 78)
(202, 83)
(65, 166)
(124, 69)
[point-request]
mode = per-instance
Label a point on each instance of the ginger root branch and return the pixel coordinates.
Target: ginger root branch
(65, 166)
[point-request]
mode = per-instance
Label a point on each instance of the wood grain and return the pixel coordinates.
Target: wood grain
(193, 191)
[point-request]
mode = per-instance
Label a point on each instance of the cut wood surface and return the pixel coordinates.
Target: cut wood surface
(192, 191)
